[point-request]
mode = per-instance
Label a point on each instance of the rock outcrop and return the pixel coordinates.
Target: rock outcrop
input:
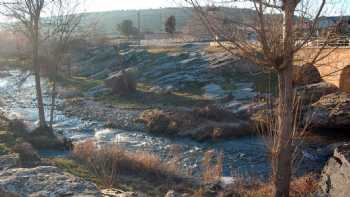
(200, 124)
(311, 93)
(9, 161)
(122, 83)
(45, 181)
(306, 74)
(335, 180)
(331, 111)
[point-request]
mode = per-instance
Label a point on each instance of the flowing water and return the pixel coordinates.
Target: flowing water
(241, 156)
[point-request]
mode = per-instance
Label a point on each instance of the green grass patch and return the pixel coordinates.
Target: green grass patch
(73, 167)
(263, 82)
(7, 139)
(145, 98)
(4, 149)
(81, 83)
(15, 63)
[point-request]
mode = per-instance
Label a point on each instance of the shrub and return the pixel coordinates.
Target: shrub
(17, 127)
(212, 166)
(28, 156)
(108, 162)
(45, 138)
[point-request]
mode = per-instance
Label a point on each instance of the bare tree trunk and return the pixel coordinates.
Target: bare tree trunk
(53, 103)
(36, 66)
(285, 122)
(285, 107)
(54, 93)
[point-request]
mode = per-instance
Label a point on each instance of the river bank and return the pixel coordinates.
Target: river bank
(88, 111)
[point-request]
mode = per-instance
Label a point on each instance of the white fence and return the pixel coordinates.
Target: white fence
(338, 42)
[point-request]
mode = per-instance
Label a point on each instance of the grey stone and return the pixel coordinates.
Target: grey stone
(335, 179)
(213, 91)
(45, 181)
(331, 111)
(122, 83)
(313, 92)
(9, 161)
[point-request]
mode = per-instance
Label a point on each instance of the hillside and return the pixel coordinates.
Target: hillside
(151, 20)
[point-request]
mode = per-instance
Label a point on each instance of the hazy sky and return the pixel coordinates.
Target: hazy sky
(103, 5)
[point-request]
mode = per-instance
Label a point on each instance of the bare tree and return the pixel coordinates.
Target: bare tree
(27, 15)
(281, 28)
(62, 29)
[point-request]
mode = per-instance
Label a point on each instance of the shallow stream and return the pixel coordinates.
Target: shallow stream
(242, 156)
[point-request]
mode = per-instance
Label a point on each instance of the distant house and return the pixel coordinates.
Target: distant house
(339, 25)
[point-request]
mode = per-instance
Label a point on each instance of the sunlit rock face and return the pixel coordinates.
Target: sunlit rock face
(331, 111)
(311, 93)
(335, 180)
(331, 65)
(44, 181)
(345, 80)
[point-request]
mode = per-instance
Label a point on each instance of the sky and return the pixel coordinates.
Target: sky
(107, 5)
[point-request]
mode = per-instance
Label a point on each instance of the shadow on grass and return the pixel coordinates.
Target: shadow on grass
(143, 99)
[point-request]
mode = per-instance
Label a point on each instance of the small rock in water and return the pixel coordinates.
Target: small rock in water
(226, 182)
(105, 134)
(213, 91)
(172, 193)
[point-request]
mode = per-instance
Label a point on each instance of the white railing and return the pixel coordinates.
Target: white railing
(338, 42)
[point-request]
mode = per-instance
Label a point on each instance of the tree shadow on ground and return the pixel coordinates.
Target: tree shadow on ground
(145, 99)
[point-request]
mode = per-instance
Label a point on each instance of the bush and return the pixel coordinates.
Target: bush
(109, 162)
(17, 128)
(45, 138)
(28, 156)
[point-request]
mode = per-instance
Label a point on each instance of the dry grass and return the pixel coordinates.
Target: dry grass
(212, 166)
(111, 161)
(300, 187)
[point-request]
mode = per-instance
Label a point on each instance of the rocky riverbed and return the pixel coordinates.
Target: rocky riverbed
(221, 124)
(91, 122)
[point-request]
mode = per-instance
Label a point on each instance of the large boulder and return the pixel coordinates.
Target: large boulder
(306, 74)
(219, 130)
(204, 123)
(344, 84)
(311, 93)
(122, 83)
(335, 178)
(167, 121)
(331, 111)
(44, 181)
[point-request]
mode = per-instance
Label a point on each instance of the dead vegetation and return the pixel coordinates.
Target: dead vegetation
(112, 164)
